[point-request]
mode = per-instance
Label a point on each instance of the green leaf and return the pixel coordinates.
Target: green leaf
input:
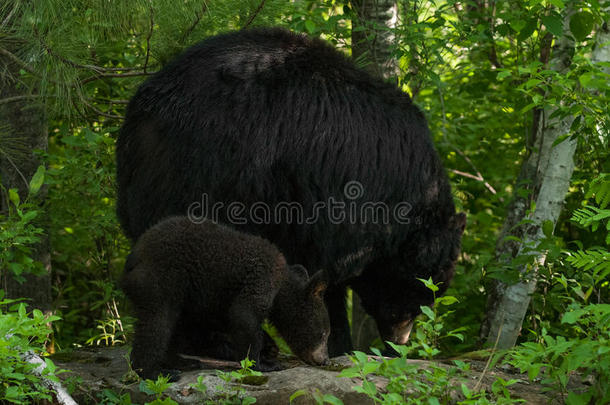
(579, 399)
(310, 26)
(16, 268)
(465, 390)
(370, 367)
(561, 139)
(547, 228)
(534, 370)
(361, 357)
(528, 107)
(144, 387)
(532, 83)
(573, 316)
(553, 24)
(428, 312)
(528, 29)
(331, 399)
(50, 365)
(37, 180)
(369, 388)
(517, 25)
(557, 3)
(429, 284)
(581, 25)
(350, 372)
(592, 81)
(446, 300)
(297, 394)
(400, 349)
(503, 74)
(13, 195)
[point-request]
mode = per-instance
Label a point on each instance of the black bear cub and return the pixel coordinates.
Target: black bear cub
(205, 289)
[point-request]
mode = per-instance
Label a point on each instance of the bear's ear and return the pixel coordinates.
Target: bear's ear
(458, 222)
(299, 271)
(317, 284)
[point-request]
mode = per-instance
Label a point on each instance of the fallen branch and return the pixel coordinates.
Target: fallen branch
(61, 394)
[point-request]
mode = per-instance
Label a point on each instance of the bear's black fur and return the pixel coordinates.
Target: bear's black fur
(267, 115)
(205, 289)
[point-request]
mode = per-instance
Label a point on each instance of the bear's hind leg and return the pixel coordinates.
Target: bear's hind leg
(152, 341)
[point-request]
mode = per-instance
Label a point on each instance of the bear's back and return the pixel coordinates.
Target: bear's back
(270, 116)
(208, 257)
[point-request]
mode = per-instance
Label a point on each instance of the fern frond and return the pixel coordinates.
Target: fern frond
(600, 189)
(595, 260)
(590, 215)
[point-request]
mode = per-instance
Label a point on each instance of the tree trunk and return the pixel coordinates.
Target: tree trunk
(507, 313)
(373, 37)
(549, 168)
(23, 122)
(372, 42)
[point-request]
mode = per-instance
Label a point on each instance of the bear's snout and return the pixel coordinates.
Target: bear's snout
(317, 357)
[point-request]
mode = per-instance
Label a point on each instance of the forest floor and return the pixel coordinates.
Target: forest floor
(95, 369)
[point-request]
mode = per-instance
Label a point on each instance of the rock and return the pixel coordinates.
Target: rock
(105, 368)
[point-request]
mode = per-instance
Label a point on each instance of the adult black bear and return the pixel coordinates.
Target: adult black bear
(190, 283)
(263, 117)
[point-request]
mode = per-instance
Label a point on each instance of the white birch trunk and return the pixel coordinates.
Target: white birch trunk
(373, 36)
(555, 169)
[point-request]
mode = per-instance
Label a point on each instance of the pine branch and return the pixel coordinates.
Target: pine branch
(100, 71)
(117, 75)
(253, 16)
(18, 98)
(190, 29)
(150, 32)
(10, 15)
(18, 61)
(99, 112)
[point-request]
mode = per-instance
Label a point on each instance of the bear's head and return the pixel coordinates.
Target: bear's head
(389, 287)
(300, 314)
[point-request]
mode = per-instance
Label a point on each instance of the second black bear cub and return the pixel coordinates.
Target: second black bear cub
(190, 283)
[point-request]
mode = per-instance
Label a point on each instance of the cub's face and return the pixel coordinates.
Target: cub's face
(310, 326)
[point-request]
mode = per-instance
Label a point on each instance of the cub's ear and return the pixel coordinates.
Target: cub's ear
(318, 284)
(299, 271)
(458, 222)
